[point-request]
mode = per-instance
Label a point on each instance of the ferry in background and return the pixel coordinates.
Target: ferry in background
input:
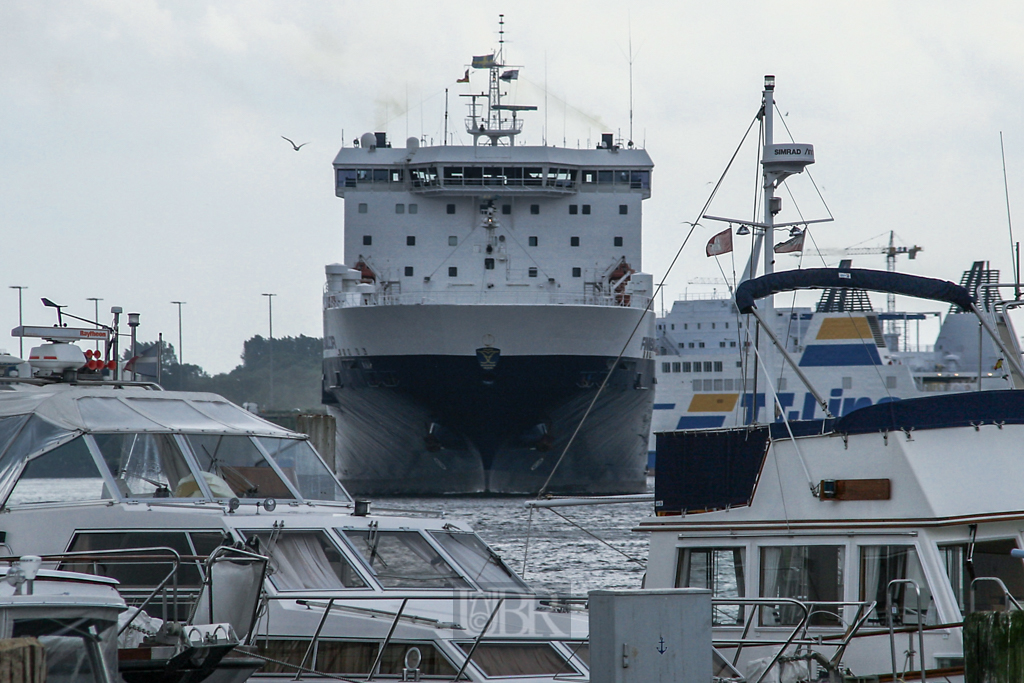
(487, 291)
(716, 368)
(858, 357)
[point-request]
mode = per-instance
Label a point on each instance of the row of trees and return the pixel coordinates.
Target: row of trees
(278, 374)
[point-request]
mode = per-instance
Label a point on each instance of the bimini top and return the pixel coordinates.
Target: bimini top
(134, 409)
(850, 278)
(64, 443)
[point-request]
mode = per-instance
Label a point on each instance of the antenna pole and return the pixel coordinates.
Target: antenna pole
(445, 116)
(1009, 224)
(630, 25)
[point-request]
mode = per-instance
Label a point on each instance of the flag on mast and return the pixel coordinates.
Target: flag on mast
(483, 61)
(464, 79)
(791, 245)
(720, 243)
(510, 75)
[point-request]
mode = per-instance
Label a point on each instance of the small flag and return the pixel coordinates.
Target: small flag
(464, 79)
(510, 75)
(720, 243)
(791, 245)
(483, 61)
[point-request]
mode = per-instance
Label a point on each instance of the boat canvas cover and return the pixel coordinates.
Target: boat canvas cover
(708, 469)
(850, 278)
(106, 409)
(967, 409)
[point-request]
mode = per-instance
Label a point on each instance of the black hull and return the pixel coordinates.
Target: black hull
(431, 425)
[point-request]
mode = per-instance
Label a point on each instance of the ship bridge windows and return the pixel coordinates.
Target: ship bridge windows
(346, 177)
(561, 177)
(423, 177)
(640, 180)
(635, 180)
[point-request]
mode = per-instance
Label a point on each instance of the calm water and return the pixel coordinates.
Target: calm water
(561, 557)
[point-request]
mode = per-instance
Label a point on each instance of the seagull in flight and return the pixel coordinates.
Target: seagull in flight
(294, 146)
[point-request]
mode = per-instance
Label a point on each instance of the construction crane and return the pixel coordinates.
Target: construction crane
(891, 252)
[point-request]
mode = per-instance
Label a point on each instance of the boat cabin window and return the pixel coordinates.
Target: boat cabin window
(143, 573)
(880, 564)
(147, 466)
(719, 569)
(810, 574)
(479, 562)
(76, 649)
(236, 465)
(306, 560)
(403, 559)
(966, 562)
(66, 474)
(300, 463)
(350, 657)
(518, 659)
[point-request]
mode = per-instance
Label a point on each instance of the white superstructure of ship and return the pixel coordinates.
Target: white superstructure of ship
(487, 291)
(715, 369)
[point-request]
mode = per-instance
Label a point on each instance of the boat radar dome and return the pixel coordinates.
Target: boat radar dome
(367, 140)
(412, 144)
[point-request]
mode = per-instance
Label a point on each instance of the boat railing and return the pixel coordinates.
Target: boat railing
(798, 637)
(480, 296)
(920, 629)
(554, 603)
(175, 600)
(1002, 586)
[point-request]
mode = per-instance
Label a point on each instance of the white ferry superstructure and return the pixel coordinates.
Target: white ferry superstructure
(857, 356)
(486, 292)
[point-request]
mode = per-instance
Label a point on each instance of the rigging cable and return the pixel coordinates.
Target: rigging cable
(643, 314)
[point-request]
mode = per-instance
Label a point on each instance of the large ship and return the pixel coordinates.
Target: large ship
(488, 291)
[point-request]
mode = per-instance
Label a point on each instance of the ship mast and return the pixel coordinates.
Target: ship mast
(492, 124)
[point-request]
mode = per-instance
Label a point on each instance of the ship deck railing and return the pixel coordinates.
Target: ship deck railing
(482, 297)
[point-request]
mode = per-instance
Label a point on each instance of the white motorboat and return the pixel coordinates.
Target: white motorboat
(88, 466)
(855, 544)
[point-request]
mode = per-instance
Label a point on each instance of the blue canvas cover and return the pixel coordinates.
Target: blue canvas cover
(1003, 406)
(850, 278)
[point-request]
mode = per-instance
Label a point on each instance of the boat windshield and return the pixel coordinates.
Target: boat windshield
(147, 465)
(233, 466)
(479, 562)
(306, 471)
(403, 559)
(66, 474)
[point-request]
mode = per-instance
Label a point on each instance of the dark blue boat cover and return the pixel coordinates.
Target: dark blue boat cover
(850, 278)
(936, 412)
(707, 469)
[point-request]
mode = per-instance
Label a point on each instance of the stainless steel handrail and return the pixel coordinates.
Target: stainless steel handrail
(920, 628)
(997, 580)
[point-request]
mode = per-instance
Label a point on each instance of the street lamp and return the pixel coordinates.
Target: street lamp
(179, 304)
(270, 313)
(21, 340)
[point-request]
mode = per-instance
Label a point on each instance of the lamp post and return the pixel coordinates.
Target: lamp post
(21, 340)
(179, 304)
(96, 313)
(270, 314)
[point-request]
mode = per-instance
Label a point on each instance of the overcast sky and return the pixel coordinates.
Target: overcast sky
(142, 160)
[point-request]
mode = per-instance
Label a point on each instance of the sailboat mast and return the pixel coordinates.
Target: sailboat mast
(769, 190)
